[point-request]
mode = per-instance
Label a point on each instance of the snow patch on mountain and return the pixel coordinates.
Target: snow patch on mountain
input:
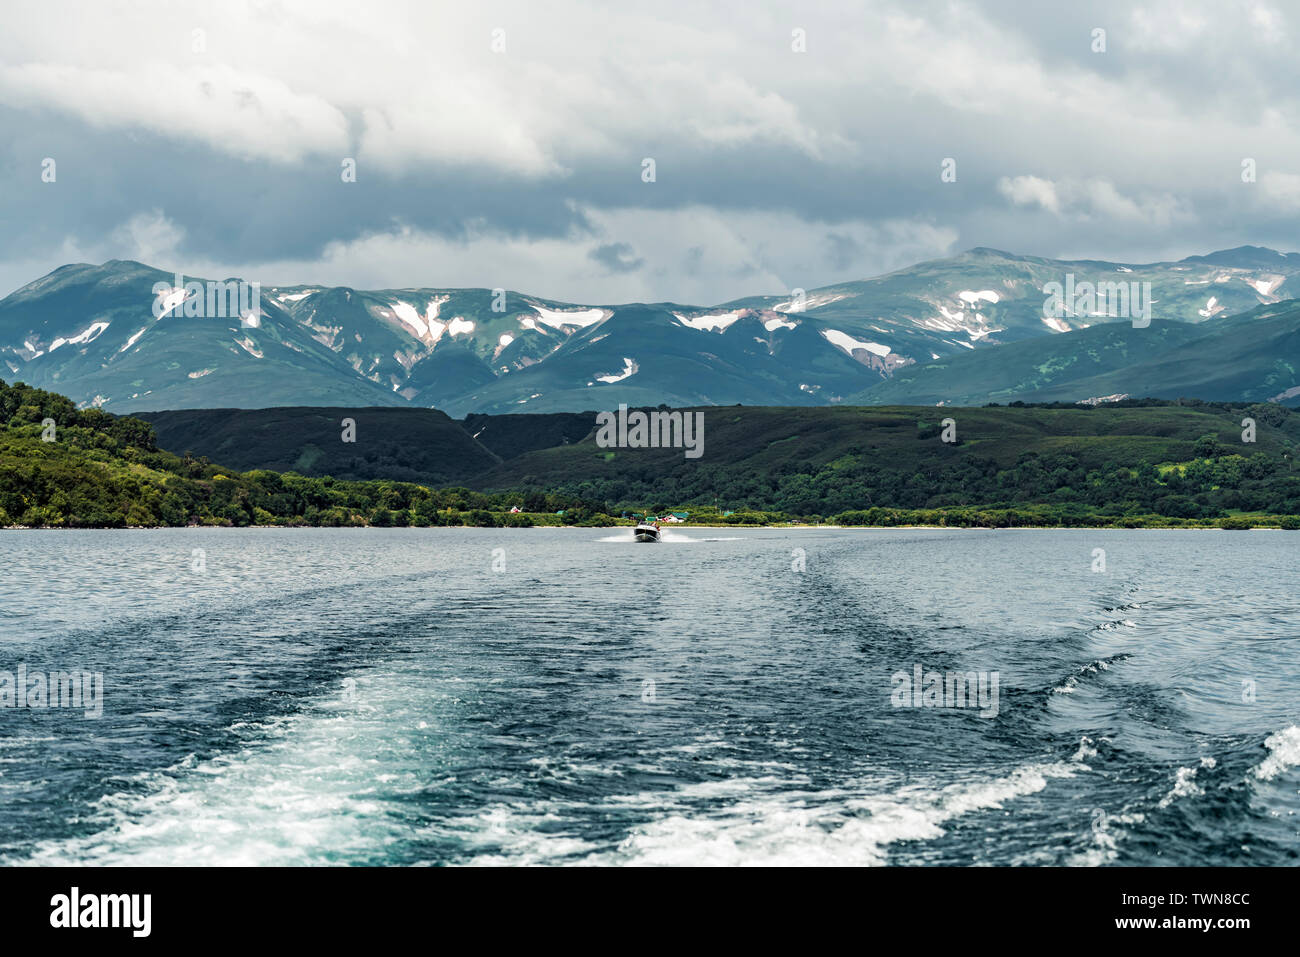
(1290, 393)
(171, 299)
(558, 320)
(809, 302)
(975, 326)
(133, 340)
(250, 347)
(1266, 286)
(91, 334)
(629, 368)
(984, 295)
(709, 321)
(456, 326)
(1056, 325)
(1211, 307)
(848, 343)
(425, 327)
(774, 324)
(412, 319)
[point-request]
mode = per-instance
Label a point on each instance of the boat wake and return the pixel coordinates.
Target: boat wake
(1284, 753)
(673, 538)
(766, 822)
(321, 786)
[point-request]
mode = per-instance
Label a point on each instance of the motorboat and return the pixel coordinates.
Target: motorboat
(646, 531)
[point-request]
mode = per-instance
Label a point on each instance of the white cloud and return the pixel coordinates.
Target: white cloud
(727, 257)
(1030, 191)
(238, 112)
(1165, 25)
(150, 238)
(1093, 199)
(1280, 191)
(400, 85)
(1268, 21)
(749, 136)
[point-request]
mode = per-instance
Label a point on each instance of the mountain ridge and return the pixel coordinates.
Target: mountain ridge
(90, 331)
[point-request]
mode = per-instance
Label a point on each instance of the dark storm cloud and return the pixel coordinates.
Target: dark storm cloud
(617, 257)
(778, 168)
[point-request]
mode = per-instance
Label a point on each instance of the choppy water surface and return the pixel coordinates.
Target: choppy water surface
(414, 696)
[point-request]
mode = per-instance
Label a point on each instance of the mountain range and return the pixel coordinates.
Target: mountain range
(969, 329)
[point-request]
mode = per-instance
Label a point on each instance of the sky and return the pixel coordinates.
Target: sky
(503, 144)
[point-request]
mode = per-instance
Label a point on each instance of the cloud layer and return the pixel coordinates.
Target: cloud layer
(505, 145)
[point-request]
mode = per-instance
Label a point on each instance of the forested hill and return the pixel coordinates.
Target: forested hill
(408, 445)
(1065, 464)
(98, 470)
(1131, 463)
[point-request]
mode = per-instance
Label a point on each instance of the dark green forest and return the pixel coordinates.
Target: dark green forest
(1135, 463)
(1152, 462)
(103, 471)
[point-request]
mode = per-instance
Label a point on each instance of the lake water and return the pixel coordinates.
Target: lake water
(564, 696)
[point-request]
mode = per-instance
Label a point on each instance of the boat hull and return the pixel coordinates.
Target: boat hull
(646, 533)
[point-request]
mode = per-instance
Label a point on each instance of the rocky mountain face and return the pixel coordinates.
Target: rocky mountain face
(127, 336)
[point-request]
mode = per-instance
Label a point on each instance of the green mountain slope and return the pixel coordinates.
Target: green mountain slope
(90, 332)
(1254, 357)
(823, 461)
(408, 445)
(509, 436)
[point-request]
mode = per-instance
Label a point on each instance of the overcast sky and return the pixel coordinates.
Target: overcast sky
(220, 152)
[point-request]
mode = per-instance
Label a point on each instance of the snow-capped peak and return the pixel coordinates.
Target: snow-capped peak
(629, 368)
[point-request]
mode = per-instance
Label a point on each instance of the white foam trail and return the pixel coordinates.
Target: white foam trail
(1105, 841)
(1091, 668)
(305, 790)
(665, 537)
(1284, 748)
(1184, 786)
(769, 825)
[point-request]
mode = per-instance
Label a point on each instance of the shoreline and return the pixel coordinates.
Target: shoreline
(789, 526)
